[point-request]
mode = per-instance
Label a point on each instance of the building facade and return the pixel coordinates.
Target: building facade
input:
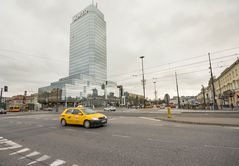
(87, 62)
(226, 89)
(88, 44)
(227, 86)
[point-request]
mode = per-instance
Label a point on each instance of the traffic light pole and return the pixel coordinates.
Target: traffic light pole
(1, 97)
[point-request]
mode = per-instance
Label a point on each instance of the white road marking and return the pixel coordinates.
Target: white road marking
(57, 162)
(225, 147)
(122, 136)
(237, 128)
(91, 132)
(3, 141)
(150, 119)
(74, 165)
(1, 137)
(11, 144)
(42, 158)
(70, 129)
(30, 155)
(53, 127)
(40, 125)
(20, 151)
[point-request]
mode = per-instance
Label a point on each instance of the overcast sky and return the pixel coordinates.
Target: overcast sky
(173, 35)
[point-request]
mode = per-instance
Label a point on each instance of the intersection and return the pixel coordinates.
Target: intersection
(125, 140)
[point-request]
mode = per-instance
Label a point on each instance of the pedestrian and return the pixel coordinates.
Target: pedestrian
(232, 106)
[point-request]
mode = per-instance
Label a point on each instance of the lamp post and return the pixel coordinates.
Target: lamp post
(142, 58)
(155, 92)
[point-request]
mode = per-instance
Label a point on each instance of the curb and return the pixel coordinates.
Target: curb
(197, 123)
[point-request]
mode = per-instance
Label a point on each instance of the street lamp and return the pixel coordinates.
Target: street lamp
(155, 92)
(142, 58)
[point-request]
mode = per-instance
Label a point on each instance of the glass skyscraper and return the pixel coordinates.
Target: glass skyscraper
(88, 44)
(88, 60)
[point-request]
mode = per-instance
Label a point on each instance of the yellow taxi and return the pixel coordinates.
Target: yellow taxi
(82, 116)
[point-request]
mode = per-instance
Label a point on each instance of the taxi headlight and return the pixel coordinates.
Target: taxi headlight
(105, 117)
(95, 119)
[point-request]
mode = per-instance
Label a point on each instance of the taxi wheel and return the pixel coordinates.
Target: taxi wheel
(63, 122)
(87, 124)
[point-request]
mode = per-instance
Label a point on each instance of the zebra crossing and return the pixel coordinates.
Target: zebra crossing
(15, 149)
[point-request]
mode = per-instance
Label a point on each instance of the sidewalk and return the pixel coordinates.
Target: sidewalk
(27, 113)
(202, 120)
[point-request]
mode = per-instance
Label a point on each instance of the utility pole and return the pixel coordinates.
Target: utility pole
(142, 58)
(204, 98)
(155, 92)
(1, 97)
(177, 90)
(213, 88)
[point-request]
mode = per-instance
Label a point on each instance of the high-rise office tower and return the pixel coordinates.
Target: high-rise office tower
(88, 44)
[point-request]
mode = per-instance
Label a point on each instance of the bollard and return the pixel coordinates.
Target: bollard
(169, 113)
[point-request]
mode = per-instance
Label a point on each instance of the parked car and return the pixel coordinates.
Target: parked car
(48, 109)
(110, 108)
(2, 111)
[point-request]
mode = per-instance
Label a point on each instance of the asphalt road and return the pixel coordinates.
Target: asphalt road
(125, 141)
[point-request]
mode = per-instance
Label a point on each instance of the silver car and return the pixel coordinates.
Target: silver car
(110, 108)
(2, 111)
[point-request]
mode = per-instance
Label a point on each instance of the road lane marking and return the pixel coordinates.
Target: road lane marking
(115, 118)
(237, 128)
(150, 119)
(74, 165)
(224, 147)
(70, 129)
(57, 162)
(40, 125)
(20, 151)
(1, 137)
(53, 127)
(42, 158)
(3, 141)
(122, 136)
(11, 144)
(35, 153)
(91, 132)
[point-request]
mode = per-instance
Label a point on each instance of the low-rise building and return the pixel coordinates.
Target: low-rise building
(226, 89)
(227, 86)
(29, 102)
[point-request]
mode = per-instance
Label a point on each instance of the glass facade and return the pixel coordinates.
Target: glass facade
(87, 64)
(88, 44)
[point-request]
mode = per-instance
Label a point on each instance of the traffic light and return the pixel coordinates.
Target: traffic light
(5, 88)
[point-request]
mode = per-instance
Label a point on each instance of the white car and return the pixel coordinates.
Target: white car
(110, 108)
(2, 111)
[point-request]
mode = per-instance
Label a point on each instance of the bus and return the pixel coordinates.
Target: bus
(14, 109)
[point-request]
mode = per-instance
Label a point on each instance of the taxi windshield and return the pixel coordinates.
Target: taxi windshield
(88, 111)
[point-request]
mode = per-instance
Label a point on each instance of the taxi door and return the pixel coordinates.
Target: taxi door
(69, 116)
(78, 117)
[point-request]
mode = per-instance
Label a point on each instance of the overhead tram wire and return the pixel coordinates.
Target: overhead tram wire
(180, 66)
(61, 60)
(182, 60)
(30, 55)
(186, 65)
(172, 76)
